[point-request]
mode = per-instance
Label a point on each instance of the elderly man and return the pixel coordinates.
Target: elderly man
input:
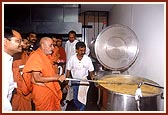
(41, 79)
(12, 45)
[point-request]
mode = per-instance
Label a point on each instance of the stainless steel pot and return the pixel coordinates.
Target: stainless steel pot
(119, 101)
(119, 50)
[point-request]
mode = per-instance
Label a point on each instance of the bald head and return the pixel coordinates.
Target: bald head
(44, 40)
(46, 45)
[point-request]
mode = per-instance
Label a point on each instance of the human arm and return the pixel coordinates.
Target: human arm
(68, 75)
(92, 75)
(91, 69)
(37, 76)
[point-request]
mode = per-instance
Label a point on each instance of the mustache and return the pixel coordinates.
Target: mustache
(82, 53)
(33, 40)
(20, 46)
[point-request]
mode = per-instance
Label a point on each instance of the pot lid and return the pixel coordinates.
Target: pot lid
(116, 47)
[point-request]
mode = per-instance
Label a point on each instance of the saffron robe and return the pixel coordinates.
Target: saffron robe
(19, 101)
(54, 57)
(46, 97)
(62, 53)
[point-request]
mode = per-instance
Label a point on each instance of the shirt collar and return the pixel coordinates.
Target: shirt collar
(8, 57)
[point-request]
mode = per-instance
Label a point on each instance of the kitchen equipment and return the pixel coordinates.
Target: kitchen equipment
(121, 97)
(119, 50)
(60, 70)
(100, 81)
(119, 47)
(92, 49)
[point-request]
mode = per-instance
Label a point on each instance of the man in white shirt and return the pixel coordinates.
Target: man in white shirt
(80, 66)
(70, 44)
(12, 45)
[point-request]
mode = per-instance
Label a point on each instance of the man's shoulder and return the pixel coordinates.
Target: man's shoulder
(67, 42)
(73, 56)
(34, 55)
(61, 48)
(86, 57)
(76, 41)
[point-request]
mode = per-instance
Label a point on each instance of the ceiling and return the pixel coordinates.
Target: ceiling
(95, 7)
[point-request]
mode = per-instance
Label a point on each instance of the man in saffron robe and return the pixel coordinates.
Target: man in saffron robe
(19, 101)
(61, 52)
(41, 79)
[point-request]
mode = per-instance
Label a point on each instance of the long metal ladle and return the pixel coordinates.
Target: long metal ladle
(99, 81)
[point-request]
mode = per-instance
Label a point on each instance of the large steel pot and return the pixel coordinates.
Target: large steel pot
(119, 50)
(118, 94)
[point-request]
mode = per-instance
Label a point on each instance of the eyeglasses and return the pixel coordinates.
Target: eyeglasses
(15, 40)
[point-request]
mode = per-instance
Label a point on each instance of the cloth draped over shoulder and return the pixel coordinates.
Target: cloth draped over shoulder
(48, 96)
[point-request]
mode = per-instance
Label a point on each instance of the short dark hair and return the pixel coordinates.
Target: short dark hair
(28, 34)
(31, 33)
(8, 33)
(59, 37)
(80, 45)
(72, 32)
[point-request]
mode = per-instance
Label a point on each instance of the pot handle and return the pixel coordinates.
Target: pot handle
(162, 96)
(153, 85)
(60, 70)
(138, 95)
(116, 72)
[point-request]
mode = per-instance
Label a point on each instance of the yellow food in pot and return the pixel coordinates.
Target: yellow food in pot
(128, 85)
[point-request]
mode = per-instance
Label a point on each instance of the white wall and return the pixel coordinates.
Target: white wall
(147, 21)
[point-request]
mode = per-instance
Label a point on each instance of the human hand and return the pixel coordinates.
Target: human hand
(62, 78)
(67, 87)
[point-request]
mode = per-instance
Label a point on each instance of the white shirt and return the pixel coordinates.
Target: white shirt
(70, 49)
(8, 82)
(80, 68)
